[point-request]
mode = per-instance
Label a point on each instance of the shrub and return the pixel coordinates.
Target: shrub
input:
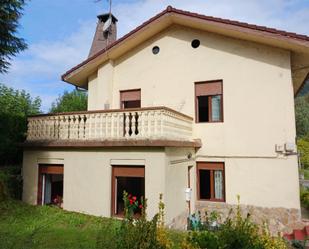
(211, 221)
(202, 239)
(10, 183)
(303, 148)
(141, 233)
(304, 197)
(235, 232)
(162, 235)
(298, 244)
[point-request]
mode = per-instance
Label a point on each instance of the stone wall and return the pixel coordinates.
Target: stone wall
(280, 220)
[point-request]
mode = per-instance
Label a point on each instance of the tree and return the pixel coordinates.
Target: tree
(305, 89)
(302, 115)
(303, 149)
(15, 106)
(70, 102)
(10, 44)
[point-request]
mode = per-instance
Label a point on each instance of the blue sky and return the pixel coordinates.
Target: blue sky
(59, 32)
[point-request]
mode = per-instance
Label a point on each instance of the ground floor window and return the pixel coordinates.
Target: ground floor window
(130, 179)
(50, 185)
(210, 181)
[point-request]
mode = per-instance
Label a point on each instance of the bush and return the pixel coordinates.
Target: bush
(303, 148)
(235, 232)
(140, 233)
(298, 244)
(10, 183)
(304, 197)
(15, 106)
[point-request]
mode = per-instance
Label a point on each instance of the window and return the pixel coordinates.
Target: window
(195, 43)
(130, 179)
(155, 50)
(210, 181)
(209, 101)
(130, 99)
(50, 185)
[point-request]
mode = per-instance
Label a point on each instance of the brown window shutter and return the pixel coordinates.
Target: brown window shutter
(129, 171)
(130, 95)
(210, 165)
(51, 169)
(208, 88)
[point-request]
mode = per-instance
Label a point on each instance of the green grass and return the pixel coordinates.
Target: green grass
(23, 227)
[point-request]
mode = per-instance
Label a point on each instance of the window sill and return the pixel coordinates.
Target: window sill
(210, 200)
(209, 122)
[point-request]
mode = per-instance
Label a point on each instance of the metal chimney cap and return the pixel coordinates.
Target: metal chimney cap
(104, 17)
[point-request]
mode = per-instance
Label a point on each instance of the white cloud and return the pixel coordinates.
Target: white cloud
(38, 69)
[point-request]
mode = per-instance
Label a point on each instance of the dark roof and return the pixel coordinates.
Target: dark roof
(170, 9)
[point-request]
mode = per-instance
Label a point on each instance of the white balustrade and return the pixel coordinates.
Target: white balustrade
(144, 123)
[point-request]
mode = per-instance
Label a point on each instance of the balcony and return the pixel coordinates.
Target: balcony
(156, 126)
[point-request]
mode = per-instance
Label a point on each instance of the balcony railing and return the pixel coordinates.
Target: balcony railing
(143, 123)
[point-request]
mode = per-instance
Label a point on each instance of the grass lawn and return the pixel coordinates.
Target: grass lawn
(23, 227)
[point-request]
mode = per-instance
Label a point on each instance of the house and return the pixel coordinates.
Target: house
(198, 108)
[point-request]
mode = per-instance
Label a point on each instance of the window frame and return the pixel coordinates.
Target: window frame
(124, 171)
(56, 169)
(211, 166)
(121, 92)
(209, 97)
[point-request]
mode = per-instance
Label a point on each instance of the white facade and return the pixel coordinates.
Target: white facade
(258, 117)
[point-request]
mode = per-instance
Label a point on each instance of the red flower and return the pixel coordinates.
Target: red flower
(129, 196)
(131, 202)
(134, 198)
(140, 206)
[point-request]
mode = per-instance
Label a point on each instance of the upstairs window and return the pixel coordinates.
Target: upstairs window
(210, 181)
(130, 99)
(209, 101)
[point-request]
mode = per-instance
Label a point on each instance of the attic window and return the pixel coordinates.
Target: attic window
(195, 43)
(155, 50)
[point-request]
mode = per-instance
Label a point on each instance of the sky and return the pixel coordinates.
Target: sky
(59, 32)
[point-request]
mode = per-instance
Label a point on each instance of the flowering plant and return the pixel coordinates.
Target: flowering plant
(58, 201)
(132, 205)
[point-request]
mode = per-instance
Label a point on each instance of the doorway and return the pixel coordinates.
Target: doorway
(50, 185)
(130, 179)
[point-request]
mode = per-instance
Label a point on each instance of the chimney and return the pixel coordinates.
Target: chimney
(102, 39)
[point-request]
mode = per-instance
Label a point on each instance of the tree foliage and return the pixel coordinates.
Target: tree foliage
(305, 89)
(302, 128)
(303, 148)
(302, 115)
(10, 44)
(15, 106)
(70, 102)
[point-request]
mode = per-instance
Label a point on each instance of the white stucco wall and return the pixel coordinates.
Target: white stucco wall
(258, 114)
(176, 182)
(258, 105)
(87, 177)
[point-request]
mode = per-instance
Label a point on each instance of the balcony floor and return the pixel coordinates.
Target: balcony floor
(110, 143)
